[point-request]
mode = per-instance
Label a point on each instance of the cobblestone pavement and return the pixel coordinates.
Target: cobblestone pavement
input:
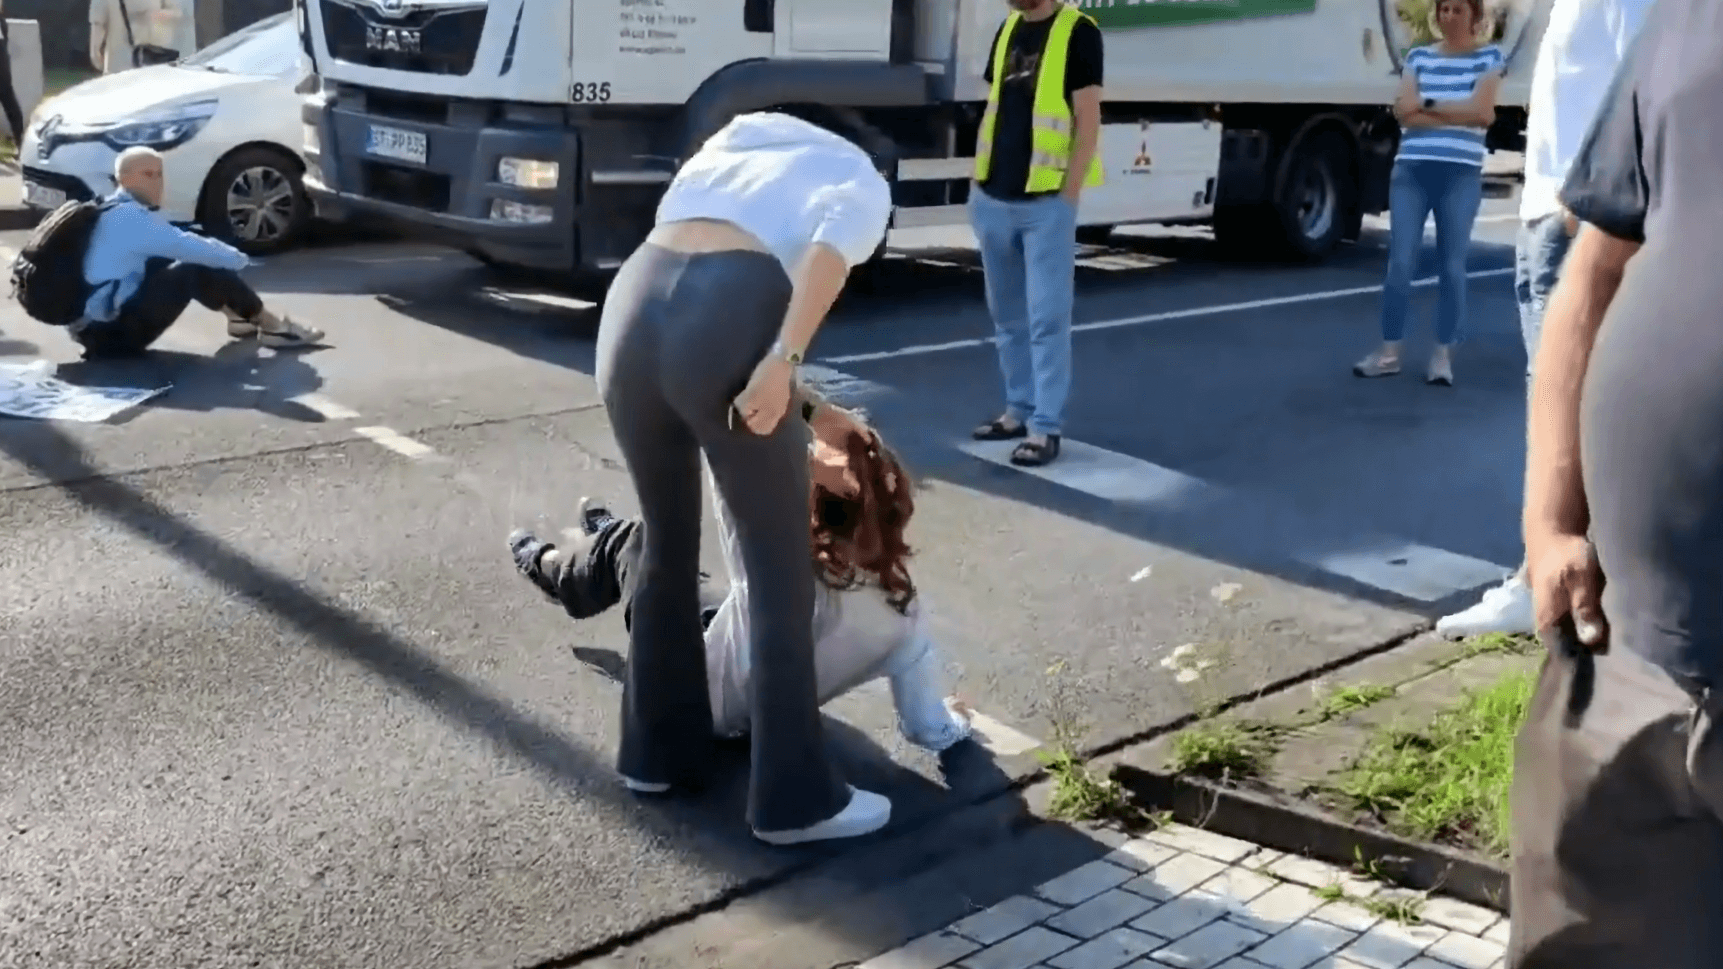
(1184, 898)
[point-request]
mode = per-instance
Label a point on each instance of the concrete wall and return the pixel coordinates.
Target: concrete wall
(66, 24)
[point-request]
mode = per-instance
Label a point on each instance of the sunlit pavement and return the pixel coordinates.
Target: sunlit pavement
(275, 696)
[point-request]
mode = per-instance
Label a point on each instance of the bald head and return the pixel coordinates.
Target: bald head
(139, 171)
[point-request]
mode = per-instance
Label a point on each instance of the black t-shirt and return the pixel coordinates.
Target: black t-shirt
(1008, 172)
(1651, 414)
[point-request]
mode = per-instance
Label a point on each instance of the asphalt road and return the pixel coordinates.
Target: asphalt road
(274, 697)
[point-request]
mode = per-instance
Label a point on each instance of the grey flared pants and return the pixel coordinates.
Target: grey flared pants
(679, 337)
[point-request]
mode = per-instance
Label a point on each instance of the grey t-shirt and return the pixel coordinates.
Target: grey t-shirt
(1651, 171)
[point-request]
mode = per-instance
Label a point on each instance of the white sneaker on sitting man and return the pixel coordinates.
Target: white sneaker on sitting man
(1506, 608)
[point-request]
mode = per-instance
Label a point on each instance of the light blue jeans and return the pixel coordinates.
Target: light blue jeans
(1453, 191)
(1029, 255)
(1538, 256)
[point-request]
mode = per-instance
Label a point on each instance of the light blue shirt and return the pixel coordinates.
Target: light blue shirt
(125, 238)
(1448, 78)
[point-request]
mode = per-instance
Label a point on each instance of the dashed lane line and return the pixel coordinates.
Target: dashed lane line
(396, 441)
(329, 409)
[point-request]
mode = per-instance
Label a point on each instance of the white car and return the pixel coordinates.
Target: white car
(226, 120)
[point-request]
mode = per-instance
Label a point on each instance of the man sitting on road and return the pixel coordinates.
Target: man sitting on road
(143, 272)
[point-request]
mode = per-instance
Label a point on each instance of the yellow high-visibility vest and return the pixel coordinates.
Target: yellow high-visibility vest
(1051, 121)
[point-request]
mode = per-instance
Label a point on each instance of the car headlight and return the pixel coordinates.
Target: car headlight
(167, 129)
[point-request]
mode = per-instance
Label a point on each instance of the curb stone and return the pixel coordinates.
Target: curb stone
(1297, 828)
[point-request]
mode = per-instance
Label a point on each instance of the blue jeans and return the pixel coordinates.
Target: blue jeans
(1539, 253)
(1029, 255)
(1538, 256)
(1453, 192)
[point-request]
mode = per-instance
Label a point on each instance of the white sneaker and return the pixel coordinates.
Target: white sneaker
(866, 813)
(1507, 608)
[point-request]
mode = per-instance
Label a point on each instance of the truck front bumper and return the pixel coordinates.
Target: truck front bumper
(451, 193)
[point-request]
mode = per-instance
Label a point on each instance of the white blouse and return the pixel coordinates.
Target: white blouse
(856, 633)
(788, 182)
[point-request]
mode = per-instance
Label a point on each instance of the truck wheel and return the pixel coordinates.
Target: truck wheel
(255, 200)
(1316, 199)
(1094, 235)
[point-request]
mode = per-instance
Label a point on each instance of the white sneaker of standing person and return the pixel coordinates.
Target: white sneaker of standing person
(866, 813)
(1441, 371)
(1507, 609)
(272, 330)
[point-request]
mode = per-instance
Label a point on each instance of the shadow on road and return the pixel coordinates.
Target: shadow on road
(1237, 398)
(712, 824)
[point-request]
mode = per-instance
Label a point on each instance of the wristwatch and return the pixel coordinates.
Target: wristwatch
(793, 357)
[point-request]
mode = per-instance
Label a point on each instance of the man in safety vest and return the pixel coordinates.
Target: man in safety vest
(1034, 155)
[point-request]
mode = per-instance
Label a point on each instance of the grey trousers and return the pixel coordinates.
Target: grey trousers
(678, 339)
(1617, 842)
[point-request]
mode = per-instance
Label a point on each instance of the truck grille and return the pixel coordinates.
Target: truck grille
(440, 40)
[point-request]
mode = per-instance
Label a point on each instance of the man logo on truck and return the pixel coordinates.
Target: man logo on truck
(394, 40)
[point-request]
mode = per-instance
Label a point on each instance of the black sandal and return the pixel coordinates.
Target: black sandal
(1031, 454)
(998, 430)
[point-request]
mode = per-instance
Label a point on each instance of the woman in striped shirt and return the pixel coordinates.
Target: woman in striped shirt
(1446, 102)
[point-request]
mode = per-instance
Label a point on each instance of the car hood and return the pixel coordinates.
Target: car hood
(130, 94)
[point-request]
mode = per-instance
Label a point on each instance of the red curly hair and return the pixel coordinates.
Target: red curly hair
(861, 537)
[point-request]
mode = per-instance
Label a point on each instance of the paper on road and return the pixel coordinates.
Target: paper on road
(31, 390)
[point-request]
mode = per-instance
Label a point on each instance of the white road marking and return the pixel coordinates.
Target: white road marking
(328, 408)
(1384, 562)
(1404, 568)
(1184, 314)
(396, 441)
(999, 739)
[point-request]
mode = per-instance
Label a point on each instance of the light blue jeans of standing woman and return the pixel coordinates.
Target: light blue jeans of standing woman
(1029, 256)
(1417, 188)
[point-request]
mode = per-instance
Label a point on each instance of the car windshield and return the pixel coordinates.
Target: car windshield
(268, 48)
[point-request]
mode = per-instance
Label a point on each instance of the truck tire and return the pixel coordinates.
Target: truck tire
(1094, 235)
(1316, 199)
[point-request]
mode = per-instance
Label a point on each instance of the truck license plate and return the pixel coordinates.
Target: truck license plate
(407, 146)
(43, 197)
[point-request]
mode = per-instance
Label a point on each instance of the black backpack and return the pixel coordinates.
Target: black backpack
(48, 275)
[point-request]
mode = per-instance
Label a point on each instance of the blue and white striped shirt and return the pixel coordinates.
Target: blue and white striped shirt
(1448, 77)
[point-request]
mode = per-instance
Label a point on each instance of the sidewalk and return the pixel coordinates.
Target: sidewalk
(1183, 898)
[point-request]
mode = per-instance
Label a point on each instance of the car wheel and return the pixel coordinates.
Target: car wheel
(255, 200)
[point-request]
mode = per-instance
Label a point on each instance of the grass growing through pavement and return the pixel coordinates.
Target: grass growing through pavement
(1449, 779)
(1224, 751)
(1350, 699)
(1080, 792)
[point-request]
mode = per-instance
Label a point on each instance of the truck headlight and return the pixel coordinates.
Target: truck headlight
(528, 173)
(167, 129)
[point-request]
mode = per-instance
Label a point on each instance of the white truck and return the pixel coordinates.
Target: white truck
(540, 134)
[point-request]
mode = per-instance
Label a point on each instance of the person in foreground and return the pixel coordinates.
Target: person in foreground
(755, 239)
(1035, 153)
(1580, 51)
(142, 273)
(1446, 102)
(868, 619)
(1617, 810)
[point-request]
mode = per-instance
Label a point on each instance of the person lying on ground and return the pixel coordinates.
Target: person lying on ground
(143, 272)
(868, 616)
